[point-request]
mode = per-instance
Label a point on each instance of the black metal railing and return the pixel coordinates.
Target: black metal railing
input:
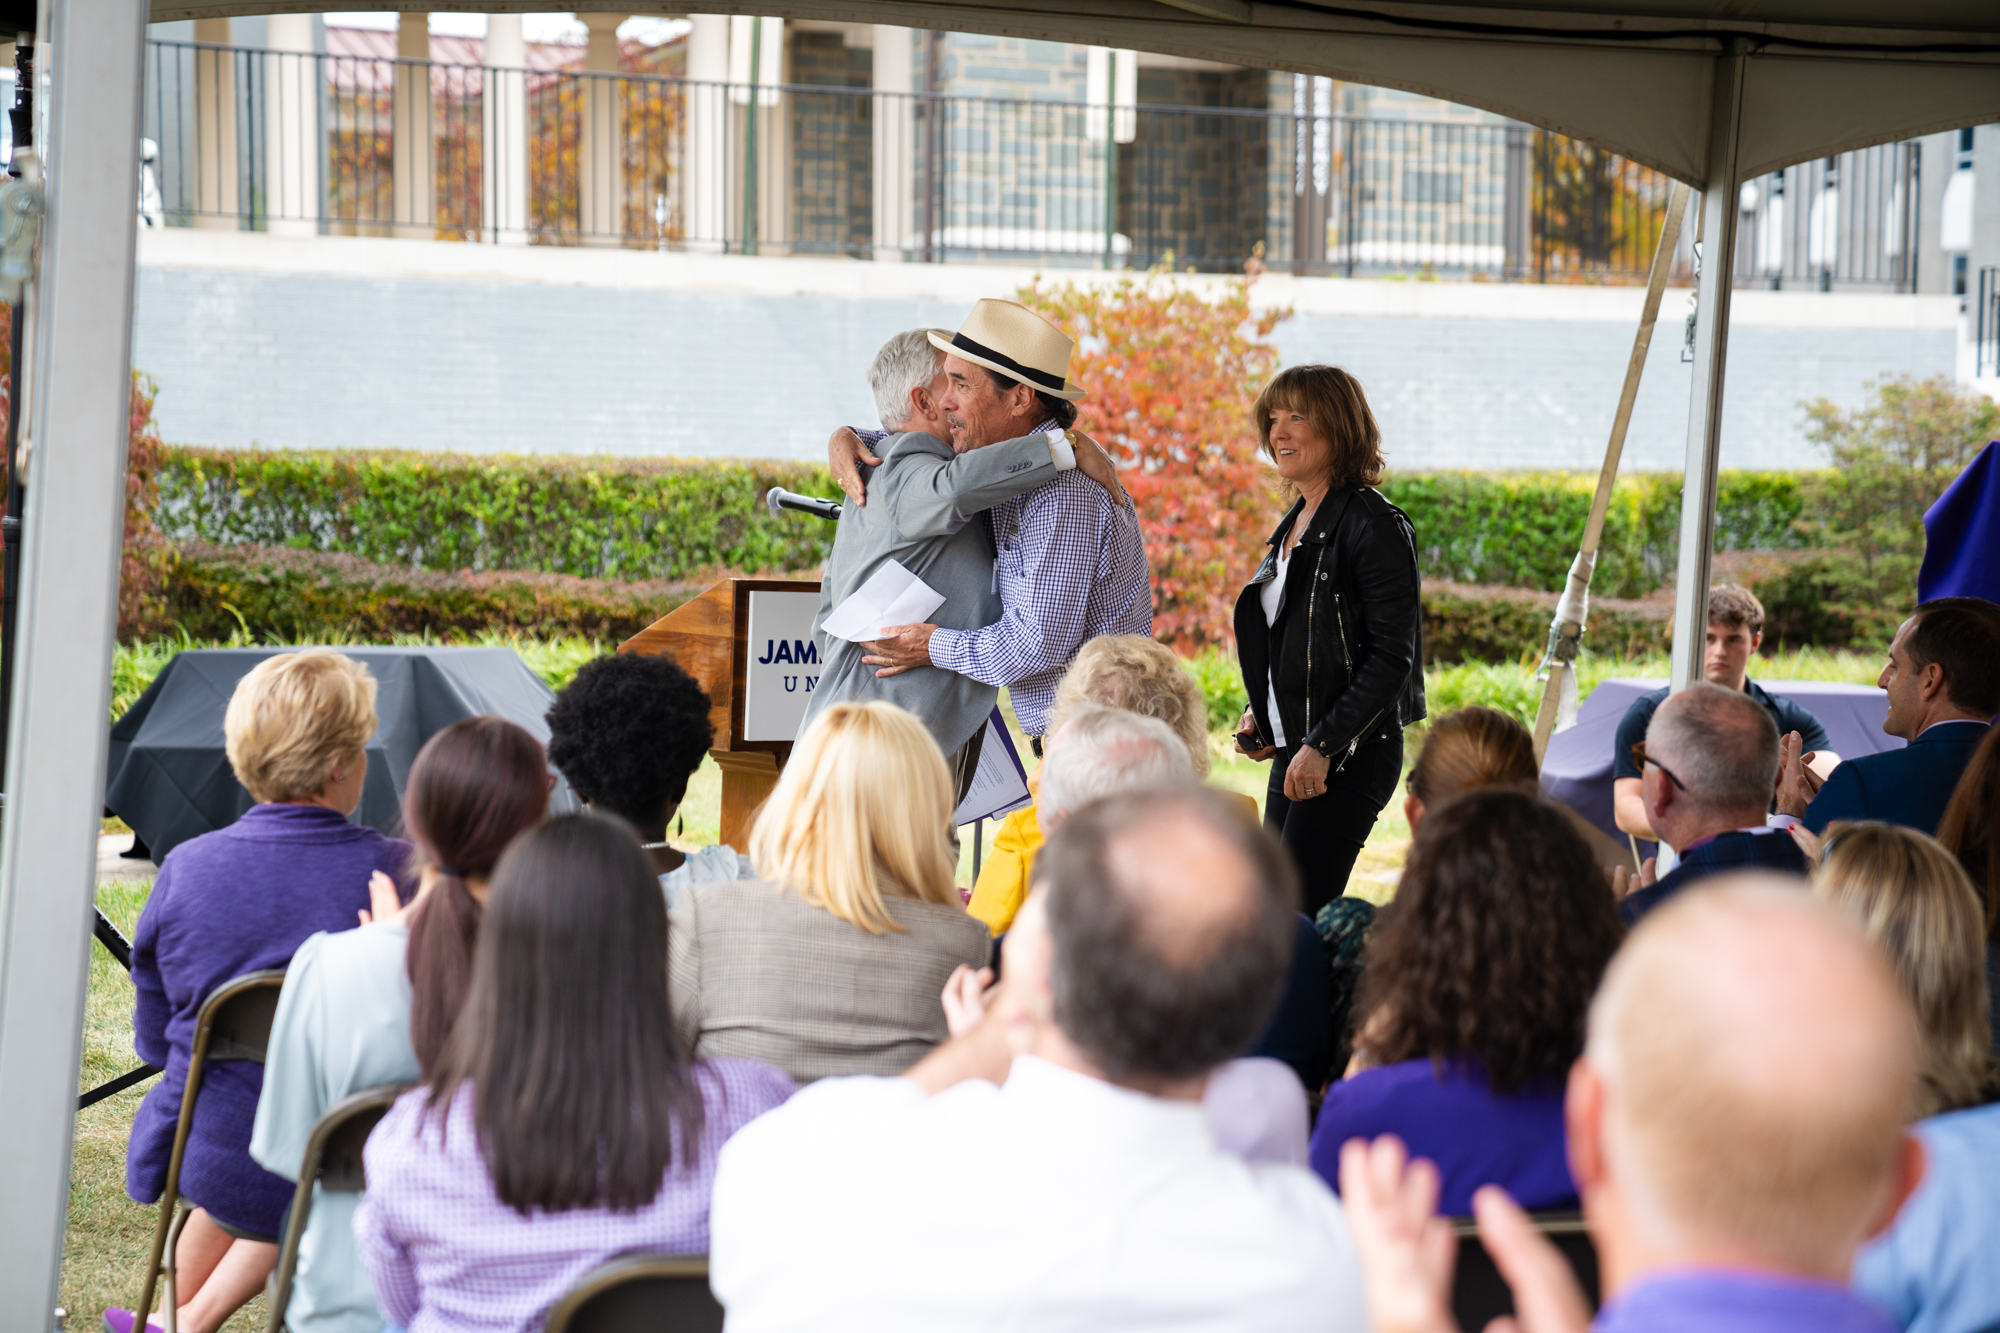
(312, 144)
(1988, 354)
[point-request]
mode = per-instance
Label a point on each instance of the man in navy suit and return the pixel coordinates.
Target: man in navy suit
(1706, 770)
(1943, 683)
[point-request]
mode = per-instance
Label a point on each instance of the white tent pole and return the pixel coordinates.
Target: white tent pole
(79, 387)
(1572, 611)
(1711, 342)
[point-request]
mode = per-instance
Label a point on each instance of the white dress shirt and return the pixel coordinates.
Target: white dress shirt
(1057, 1201)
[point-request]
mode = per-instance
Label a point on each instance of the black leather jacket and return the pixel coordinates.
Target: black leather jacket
(1348, 646)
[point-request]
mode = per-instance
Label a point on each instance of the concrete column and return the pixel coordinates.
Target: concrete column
(761, 194)
(504, 107)
(705, 152)
(291, 127)
(217, 167)
(895, 138)
(413, 133)
(600, 147)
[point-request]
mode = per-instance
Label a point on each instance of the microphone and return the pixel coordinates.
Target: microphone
(779, 499)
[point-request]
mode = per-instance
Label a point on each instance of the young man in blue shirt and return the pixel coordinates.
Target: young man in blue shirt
(1735, 632)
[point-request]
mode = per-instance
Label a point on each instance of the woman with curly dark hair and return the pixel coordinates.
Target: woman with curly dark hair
(628, 732)
(1473, 999)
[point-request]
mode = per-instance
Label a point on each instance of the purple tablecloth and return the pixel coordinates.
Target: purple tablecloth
(1577, 771)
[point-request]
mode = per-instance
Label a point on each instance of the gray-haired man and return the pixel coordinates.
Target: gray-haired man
(923, 497)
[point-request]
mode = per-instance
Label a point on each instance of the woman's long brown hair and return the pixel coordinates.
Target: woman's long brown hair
(474, 788)
(581, 1088)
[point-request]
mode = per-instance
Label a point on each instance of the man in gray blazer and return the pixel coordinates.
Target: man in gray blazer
(922, 498)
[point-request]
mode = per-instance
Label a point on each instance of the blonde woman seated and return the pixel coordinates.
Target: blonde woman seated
(833, 961)
(1912, 898)
(1133, 674)
(1933, 1269)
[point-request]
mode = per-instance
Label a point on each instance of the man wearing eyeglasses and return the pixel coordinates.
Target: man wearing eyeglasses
(1706, 771)
(1735, 631)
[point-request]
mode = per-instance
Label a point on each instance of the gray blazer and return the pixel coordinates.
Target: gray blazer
(759, 973)
(922, 501)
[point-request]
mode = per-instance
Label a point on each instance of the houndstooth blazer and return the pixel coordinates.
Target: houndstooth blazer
(758, 972)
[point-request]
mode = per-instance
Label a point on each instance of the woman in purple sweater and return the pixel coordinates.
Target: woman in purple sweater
(238, 900)
(1473, 998)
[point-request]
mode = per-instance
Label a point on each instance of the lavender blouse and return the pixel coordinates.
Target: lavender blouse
(446, 1254)
(240, 899)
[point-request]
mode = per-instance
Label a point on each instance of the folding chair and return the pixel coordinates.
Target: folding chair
(1479, 1294)
(333, 1161)
(640, 1293)
(234, 1024)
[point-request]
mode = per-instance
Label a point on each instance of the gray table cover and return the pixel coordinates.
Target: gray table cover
(170, 780)
(1577, 771)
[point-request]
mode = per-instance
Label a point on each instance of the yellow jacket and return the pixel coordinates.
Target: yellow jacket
(1003, 875)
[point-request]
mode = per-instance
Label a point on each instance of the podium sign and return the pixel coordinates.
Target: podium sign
(749, 644)
(780, 662)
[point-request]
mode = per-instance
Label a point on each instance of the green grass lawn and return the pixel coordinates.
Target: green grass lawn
(109, 1234)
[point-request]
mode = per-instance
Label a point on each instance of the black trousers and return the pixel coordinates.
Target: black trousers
(1325, 834)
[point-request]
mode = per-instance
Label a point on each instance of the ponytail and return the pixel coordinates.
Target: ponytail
(438, 960)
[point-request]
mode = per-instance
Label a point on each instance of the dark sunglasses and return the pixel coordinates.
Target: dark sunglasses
(1639, 758)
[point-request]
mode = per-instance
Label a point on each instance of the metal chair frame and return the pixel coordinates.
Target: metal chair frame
(243, 1011)
(623, 1271)
(340, 1175)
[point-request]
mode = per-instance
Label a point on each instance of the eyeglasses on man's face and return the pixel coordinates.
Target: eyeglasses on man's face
(1639, 758)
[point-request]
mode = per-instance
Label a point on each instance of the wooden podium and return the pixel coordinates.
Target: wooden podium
(710, 637)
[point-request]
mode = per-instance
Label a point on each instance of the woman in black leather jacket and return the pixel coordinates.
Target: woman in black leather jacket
(1329, 631)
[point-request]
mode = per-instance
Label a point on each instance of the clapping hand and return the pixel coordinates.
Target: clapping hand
(1407, 1251)
(384, 903)
(966, 995)
(1797, 783)
(1624, 883)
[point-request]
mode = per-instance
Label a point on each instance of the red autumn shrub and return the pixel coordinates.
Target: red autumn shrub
(1172, 372)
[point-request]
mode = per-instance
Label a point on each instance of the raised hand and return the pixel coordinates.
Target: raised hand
(1407, 1251)
(845, 453)
(384, 903)
(1093, 462)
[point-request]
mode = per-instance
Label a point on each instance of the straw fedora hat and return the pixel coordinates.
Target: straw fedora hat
(1012, 340)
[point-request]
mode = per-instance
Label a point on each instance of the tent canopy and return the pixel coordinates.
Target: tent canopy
(1633, 76)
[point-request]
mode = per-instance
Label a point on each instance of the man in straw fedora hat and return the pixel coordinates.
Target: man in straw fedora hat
(1069, 563)
(927, 517)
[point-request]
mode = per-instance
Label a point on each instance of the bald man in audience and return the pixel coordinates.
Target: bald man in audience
(1707, 769)
(1052, 1167)
(1737, 1128)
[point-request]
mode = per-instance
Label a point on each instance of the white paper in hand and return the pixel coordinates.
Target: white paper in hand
(891, 596)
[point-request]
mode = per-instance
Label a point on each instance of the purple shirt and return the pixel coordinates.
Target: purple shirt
(1475, 1135)
(1721, 1301)
(446, 1254)
(240, 899)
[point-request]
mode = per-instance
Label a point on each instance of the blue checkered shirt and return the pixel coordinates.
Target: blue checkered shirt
(1071, 566)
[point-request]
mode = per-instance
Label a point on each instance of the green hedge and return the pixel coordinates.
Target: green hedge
(618, 518)
(638, 519)
(272, 592)
(1521, 529)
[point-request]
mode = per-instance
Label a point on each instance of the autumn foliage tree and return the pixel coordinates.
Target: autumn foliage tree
(1172, 369)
